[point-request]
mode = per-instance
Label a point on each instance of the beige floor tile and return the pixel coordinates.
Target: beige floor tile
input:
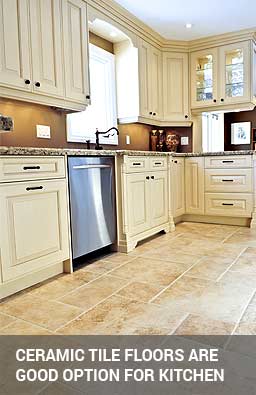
(175, 254)
(249, 316)
(5, 320)
(60, 286)
(237, 278)
(210, 268)
(93, 293)
(198, 325)
(20, 327)
(154, 271)
(140, 291)
(246, 329)
(246, 263)
(46, 313)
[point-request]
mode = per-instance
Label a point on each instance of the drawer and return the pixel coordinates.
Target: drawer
(228, 180)
(31, 168)
(240, 161)
(136, 164)
(229, 204)
(158, 163)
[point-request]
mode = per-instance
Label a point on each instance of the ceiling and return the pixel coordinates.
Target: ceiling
(208, 17)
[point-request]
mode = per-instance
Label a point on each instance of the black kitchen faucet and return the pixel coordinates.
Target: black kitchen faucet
(97, 133)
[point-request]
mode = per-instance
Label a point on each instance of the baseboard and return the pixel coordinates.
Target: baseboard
(208, 219)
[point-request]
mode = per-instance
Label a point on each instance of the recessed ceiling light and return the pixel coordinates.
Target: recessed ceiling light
(113, 34)
(188, 25)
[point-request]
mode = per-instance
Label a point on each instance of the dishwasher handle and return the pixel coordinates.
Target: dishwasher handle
(80, 167)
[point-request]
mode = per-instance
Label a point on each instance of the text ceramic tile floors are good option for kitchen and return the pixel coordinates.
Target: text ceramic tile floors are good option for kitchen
(200, 279)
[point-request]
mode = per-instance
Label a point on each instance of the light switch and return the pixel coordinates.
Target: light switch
(43, 132)
(184, 141)
(128, 140)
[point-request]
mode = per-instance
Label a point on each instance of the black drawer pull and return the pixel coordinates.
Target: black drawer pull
(34, 188)
(227, 180)
(227, 204)
(158, 163)
(31, 168)
(227, 161)
(136, 164)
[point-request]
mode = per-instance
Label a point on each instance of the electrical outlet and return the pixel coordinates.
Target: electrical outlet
(128, 140)
(43, 132)
(6, 124)
(184, 141)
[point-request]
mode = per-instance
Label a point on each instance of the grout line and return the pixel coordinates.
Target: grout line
(232, 264)
(230, 235)
(178, 278)
(28, 322)
(179, 324)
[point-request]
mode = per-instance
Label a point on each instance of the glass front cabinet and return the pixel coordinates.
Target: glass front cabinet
(222, 76)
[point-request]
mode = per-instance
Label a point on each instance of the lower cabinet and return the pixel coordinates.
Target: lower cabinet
(147, 201)
(177, 183)
(34, 226)
(194, 181)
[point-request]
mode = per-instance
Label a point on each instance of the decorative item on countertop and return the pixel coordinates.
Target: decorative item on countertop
(154, 140)
(172, 141)
(6, 124)
(161, 142)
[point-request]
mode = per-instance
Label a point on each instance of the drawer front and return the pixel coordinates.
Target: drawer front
(137, 164)
(31, 168)
(228, 162)
(158, 163)
(228, 180)
(229, 204)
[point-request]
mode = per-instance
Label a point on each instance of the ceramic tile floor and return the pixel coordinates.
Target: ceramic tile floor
(200, 279)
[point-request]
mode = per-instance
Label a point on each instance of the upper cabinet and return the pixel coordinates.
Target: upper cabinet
(175, 87)
(33, 65)
(222, 76)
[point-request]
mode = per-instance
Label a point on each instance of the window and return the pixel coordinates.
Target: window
(101, 113)
(213, 132)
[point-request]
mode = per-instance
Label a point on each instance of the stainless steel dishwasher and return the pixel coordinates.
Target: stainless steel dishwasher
(92, 203)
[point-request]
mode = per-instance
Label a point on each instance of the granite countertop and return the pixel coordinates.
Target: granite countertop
(85, 152)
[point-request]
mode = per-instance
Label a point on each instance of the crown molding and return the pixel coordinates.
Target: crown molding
(128, 21)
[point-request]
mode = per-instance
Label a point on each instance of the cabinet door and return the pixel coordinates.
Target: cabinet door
(204, 78)
(175, 87)
(34, 226)
(194, 181)
(234, 73)
(47, 56)
(159, 198)
(144, 79)
(178, 187)
(75, 33)
(14, 44)
(138, 203)
(155, 84)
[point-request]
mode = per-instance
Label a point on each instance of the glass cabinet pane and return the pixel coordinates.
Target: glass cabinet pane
(234, 62)
(204, 78)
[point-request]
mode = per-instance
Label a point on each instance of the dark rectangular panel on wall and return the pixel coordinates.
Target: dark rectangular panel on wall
(233, 117)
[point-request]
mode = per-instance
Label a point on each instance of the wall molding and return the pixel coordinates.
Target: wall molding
(128, 21)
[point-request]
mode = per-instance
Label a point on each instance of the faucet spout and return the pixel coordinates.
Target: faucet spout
(97, 133)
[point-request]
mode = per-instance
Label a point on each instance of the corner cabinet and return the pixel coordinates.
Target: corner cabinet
(194, 181)
(32, 55)
(223, 76)
(142, 199)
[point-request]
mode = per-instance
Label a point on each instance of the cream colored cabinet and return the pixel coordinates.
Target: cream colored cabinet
(34, 226)
(175, 87)
(194, 181)
(223, 76)
(177, 183)
(46, 47)
(14, 44)
(159, 198)
(34, 66)
(75, 34)
(150, 81)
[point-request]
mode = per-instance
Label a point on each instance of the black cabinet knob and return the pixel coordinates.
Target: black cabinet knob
(152, 177)
(147, 177)
(150, 113)
(88, 97)
(186, 116)
(154, 113)
(27, 82)
(37, 84)
(214, 100)
(222, 100)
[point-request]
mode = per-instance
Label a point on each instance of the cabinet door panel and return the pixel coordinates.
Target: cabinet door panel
(159, 198)
(144, 78)
(178, 187)
(176, 87)
(47, 57)
(155, 83)
(76, 49)
(194, 179)
(138, 203)
(36, 226)
(14, 44)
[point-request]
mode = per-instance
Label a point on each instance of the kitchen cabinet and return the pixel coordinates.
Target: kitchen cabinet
(175, 87)
(222, 76)
(177, 182)
(33, 65)
(34, 226)
(150, 81)
(194, 181)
